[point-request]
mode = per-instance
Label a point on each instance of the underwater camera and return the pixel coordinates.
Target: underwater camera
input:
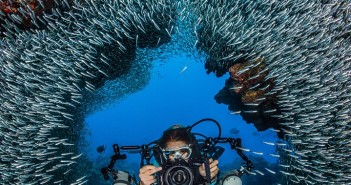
(177, 172)
(180, 166)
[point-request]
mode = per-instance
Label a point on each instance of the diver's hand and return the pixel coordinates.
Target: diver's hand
(213, 168)
(146, 174)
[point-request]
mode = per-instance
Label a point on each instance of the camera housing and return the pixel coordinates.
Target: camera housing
(178, 172)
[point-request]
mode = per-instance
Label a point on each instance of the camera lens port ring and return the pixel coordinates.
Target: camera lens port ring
(177, 175)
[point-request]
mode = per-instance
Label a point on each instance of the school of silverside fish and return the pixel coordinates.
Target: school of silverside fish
(47, 72)
(306, 47)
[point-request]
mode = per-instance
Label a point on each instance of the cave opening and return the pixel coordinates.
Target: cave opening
(178, 92)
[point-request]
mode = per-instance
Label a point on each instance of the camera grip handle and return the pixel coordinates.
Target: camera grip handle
(207, 170)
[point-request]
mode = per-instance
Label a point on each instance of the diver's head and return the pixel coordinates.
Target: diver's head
(176, 142)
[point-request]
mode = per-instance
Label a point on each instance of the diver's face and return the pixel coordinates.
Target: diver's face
(174, 145)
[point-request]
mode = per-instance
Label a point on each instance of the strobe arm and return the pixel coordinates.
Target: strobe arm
(235, 144)
(145, 155)
(116, 156)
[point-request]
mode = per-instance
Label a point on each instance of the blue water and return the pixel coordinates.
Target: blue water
(172, 97)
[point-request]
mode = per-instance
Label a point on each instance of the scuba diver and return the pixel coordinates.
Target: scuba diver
(177, 143)
(180, 159)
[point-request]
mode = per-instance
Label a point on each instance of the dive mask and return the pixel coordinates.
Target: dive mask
(183, 152)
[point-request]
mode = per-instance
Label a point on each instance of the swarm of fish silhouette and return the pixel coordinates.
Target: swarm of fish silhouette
(306, 46)
(47, 71)
(101, 148)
